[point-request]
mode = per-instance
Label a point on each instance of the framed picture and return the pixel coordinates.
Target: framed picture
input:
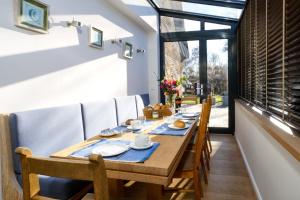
(96, 38)
(32, 15)
(128, 50)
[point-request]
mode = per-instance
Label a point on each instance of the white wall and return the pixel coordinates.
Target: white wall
(275, 172)
(41, 70)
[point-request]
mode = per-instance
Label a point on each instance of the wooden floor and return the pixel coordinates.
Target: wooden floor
(227, 179)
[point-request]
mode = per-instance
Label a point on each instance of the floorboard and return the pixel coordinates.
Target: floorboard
(227, 180)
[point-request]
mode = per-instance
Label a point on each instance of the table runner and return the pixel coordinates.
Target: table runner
(131, 155)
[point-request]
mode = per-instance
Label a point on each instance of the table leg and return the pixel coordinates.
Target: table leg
(154, 191)
(116, 188)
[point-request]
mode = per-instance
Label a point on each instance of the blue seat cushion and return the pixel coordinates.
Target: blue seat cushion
(98, 116)
(46, 131)
(126, 108)
(59, 188)
(146, 99)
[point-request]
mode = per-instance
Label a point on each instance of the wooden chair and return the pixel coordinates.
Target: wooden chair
(192, 98)
(91, 170)
(209, 101)
(192, 162)
(207, 145)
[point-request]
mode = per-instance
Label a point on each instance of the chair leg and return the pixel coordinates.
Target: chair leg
(209, 141)
(206, 156)
(197, 186)
(204, 170)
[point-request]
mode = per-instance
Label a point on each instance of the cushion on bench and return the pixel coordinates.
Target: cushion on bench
(126, 108)
(146, 99)
(139, 105)
(58, 188)
(98, 116)
(46, 131)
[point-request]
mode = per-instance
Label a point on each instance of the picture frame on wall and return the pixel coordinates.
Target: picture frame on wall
(32, 15)
(96, 37)
(128, 50)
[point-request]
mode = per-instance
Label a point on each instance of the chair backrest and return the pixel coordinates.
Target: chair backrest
(126, 108)
(98, 116)
(192, 99)
(209, 101)
(91, 170)
(201, 134)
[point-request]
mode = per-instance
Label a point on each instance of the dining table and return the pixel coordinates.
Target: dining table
(157, 171)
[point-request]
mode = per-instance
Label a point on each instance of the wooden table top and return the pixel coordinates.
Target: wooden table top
(160, 166)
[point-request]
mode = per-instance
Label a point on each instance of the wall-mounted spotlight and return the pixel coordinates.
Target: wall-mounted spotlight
(74, 23)
(140, 50)
(116, 41)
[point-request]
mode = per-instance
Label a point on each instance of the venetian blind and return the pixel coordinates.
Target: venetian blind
(292, 61)
(261, 54)
(274, 56)
(248, 53)
(253, 49)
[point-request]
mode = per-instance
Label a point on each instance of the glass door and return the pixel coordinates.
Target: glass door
(205, 62)
(217, 81)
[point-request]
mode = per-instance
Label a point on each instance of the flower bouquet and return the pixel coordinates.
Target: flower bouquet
(170, 87)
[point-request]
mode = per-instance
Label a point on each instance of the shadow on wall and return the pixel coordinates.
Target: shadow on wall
(25, 66)
(51, 60)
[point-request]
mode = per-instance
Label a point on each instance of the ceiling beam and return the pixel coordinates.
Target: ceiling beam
(196, 16)
(223, 3)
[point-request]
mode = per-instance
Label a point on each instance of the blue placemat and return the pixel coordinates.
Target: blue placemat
(131, 155)
(165, 130)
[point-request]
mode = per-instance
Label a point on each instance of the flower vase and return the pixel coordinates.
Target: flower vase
(170, 100)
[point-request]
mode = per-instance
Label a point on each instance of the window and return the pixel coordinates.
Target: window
(269, 58)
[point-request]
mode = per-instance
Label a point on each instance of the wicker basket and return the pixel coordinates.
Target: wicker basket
(148, 111)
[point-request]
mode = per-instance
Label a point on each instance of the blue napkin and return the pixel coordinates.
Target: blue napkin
(165, 130)
(131, 155)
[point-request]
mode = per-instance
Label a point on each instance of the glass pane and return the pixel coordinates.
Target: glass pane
(213, 26)
(200, 8)
(217, 77)
(182, 59)
(171, 24)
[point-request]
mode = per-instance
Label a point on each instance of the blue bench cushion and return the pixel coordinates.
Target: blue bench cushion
(59, 188)
(46, 131)
(126, 108)
(146, 99)
(98, 116)
(139, 105)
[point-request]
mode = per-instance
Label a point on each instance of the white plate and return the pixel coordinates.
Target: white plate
(108, 134)
(189, 114)
(136, 129)
(132, 145)
(110, 149)
(171, 126)
(187, 121)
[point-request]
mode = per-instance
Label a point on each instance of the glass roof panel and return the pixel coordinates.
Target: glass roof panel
(199, 8)
(172, 24)
(214, 26)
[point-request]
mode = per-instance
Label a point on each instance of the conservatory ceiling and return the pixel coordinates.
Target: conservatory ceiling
(221, 10)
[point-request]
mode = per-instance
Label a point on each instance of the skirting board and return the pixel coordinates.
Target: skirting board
(257, 192)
